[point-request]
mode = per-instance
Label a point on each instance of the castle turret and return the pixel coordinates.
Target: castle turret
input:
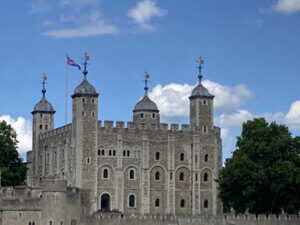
(43, 121)
(201, 106)
(145, 111)
(85, 138)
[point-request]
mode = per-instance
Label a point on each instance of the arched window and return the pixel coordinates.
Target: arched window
(103, 152)
(157, 202)
(157, 154)
(93, 100)
(105, 173)
(157, 175)
(196, 177)
(131, 201)
(131, 174)
(204, 129)
(46, 126)
(171, 176)
(29, 223)
(206, 158)
(124, 153)
(128, 153)
(181, 157)
(182, 203)
(99, 152)
(205, 204)
(33, 223)
(109, 152)
(153, 115)
(181, 176)
(205, 177)
(142, 115)
(83, 99)
(114, 152)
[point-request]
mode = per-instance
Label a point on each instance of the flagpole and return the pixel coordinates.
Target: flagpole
(66, 93)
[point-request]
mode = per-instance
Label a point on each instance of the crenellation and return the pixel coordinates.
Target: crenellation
(174, 127)
(131, 125)
(163, 126)
(108, 124)
(120, 124)
(185, 127)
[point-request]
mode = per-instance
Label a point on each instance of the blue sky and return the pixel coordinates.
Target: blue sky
(251, 51)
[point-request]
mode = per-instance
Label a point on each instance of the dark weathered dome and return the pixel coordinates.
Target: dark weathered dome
(84, 88)
(146, 104)
(43, 106)
(201, 91)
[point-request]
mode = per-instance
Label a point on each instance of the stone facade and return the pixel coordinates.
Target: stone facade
(143, 168)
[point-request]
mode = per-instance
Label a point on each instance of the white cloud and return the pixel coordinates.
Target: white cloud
(287, 6)
(292, 118)
(173, 102)
(94, 26)
(144, 11)
(23, 128)
(77, 3)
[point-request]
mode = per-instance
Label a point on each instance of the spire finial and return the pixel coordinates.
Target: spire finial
(146, 83)
(200, 61)
(86, 58)
(44, 82)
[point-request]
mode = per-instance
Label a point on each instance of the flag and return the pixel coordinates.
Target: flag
(70, 62)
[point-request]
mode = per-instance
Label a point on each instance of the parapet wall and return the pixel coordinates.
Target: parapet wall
(108, 124)
(57, 131)
(120, 219)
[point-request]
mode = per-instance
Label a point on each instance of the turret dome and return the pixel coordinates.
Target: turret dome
(43, 106)
(145, 104)
(84, 88)
(200, 90)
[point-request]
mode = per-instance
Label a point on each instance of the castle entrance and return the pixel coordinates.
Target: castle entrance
(105, 203)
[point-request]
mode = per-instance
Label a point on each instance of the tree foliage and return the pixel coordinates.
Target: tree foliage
(263, 175)
(13, 170)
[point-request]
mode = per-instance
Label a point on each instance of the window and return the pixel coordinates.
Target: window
(50, 223)
(29, 223)
(93, 114)
(157, 154)
(48, 157)
(41, 126)
(181, 176)
(205, 130)
(182, 203)
(41, 115)
(196, 159)
(142, 115)
(63, 154)
(157, 202)
(131, 201)
(88, 160)
(124, 153)
(46, 126)
(205, 177)
(204, 102)
(99, 152)
(205, 204)
(181, 157)
(131, 174)
(171, 176)
(105, 174)
(83, 100)
(33, 223)
(93, 100)
(153, 115)
(206, 158)
(157, 175)
(196, 177)
(109, 152)
(103, 152)
(114, 152)
(128, 153)
(55, 156)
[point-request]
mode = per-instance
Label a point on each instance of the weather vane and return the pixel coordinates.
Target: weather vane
(44, 77)
(86, 58)
(146, 82)
(200, 61)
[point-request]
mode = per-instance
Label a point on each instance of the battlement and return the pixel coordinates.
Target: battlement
(56, 131)
(109, 124)
(244, 219)
(51, 184)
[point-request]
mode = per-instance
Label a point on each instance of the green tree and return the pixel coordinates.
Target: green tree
(263, 175)
(13, 170)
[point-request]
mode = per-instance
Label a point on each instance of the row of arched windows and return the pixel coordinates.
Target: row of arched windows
(110, 152)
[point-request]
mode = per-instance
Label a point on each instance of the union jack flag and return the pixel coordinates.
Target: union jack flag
(70, 62)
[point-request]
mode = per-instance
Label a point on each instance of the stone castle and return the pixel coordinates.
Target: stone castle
(144, 173)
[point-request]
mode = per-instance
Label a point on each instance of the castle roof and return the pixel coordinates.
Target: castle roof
(200, 90)
(85, 88)
(145, 104)
(43, 106)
